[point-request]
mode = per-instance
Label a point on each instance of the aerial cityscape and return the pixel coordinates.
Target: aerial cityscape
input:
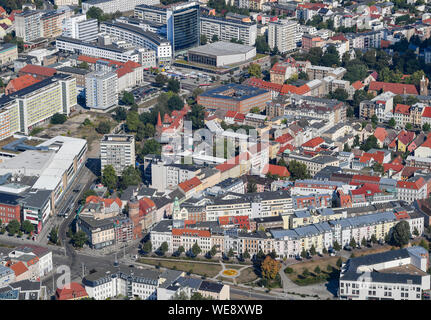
(215, 150)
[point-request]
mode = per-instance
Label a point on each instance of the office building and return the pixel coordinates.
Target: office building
(138, 37)
(78, 27)
(8, 53)
(228, 29)
(28, 25)
(112, 6)
(101, 89)
(219, 54)
(117, 150)
(281, 35)
(234, 97)
(35, 104)
(181, 20)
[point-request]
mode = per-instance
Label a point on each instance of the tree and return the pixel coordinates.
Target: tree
(95, 13)
(132, 121)
(79, 239)
(374, 119)
(161, 80)
(254, 70)
(148, 246)
(370, 143)
(58, 118)
(336, 246)
(164, 247)
(181, 250)
(130, 177)
(151, 146)
(317, 270)
(401, 234)
(173, 85)
(303, 76)
(339, 94)
(109, 177)
(104, 127)
(298, 171)
(352, 243)
(262, 45)
(213, 251)
(270, 268)
(305, 272)
(128, 98)
(339, 262)
(214, 38)
(175, 103)
(196, 249)
(53, 235)
(84, 65)
(424, 244)
(13, 226)
(203, 39)
(363, 242)
(303, 253)
(392, 123)
(378, 167)
(230, 253)
(426, 127)
(415, 232)
(246, 254)
(373, 238)
(120, 114)
(197, 116)
(313, 250)
(251, 187)
(27, 227)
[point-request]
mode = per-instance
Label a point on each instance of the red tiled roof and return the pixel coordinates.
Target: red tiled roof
(233, 162)
(411, 185)
(19, 268)
(395, 167)
(2, 10)
(239, 117)
(380, 134)
(397, 88)
(230, 114)
(284, 138)
(279, 68)
(287, 88)
(107, 201)
(22, 82)
(409, 171)
(313, 142)
(402, 108)
(39, 70)
(427, 143)
(193, 232)
(377, 156)
(357, 85)
(280, 171)
(339, 37)
(190, 184)
(368, 189)
(73, 291)
(370, 179)
(259, 83)
(406, 137)
(427, 112)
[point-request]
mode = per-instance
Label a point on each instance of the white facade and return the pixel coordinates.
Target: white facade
(101, 89)
(281, 34)
(28, 25)
(78, 27)
(117, 151)
(112, 6)
(226, 30)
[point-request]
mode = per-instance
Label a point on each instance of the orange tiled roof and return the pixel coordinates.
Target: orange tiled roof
(313, 142)
(39, 70)
(411, 184)
(191, 232)
(402, 108)
(190, 184)
(357, 85)
(427, 112)
(280, 171)
(19, 268)
(380, 134)
(73, 291)
(22, 82)
(397, 88)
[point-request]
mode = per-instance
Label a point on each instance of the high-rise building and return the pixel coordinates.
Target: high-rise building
(51, 23)
(112, 6)
(281, 34)
(78, 27)
(228, 29)
(101, 89)
(28, 26)
(60, 3)
(117, 150)
(182, 22)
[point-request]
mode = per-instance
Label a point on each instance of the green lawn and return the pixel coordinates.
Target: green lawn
(208, 270)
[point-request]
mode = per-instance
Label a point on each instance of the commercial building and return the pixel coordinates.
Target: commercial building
(26, 108)
(234, 97)
(81, 28)
(28, 25)
(228, 29)
(101, 89)
(8, 53)
(112, 6)
(391, 275)
(181, 20)
(281, 35)
(118, 151)
(221, 53)
(10, 208)
(140, 38)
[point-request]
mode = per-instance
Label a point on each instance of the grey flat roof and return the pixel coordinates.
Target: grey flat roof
(222, 48)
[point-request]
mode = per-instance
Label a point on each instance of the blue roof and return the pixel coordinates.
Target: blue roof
(241, 92)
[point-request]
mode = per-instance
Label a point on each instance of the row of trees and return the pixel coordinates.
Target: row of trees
(15, 227)
(129, 177)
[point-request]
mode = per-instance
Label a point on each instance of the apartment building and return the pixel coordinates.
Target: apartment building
(281, 35)
(51, 23)
(391, 275)
(316, 163)
(313, 187)
(228, 29)
(8, 53)
(35, 104)
(412, 189)
(169, 176)
(81, 28)
(28, 25)
(101, 90)
(117, 150)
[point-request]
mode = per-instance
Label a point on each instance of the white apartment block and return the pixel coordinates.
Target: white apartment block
(117, 150)
(226, 30)
(112, 6)
(281, 34)
(66, 2)
(101, 89)
(78, 27)
(28, 25)
(169, 176)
